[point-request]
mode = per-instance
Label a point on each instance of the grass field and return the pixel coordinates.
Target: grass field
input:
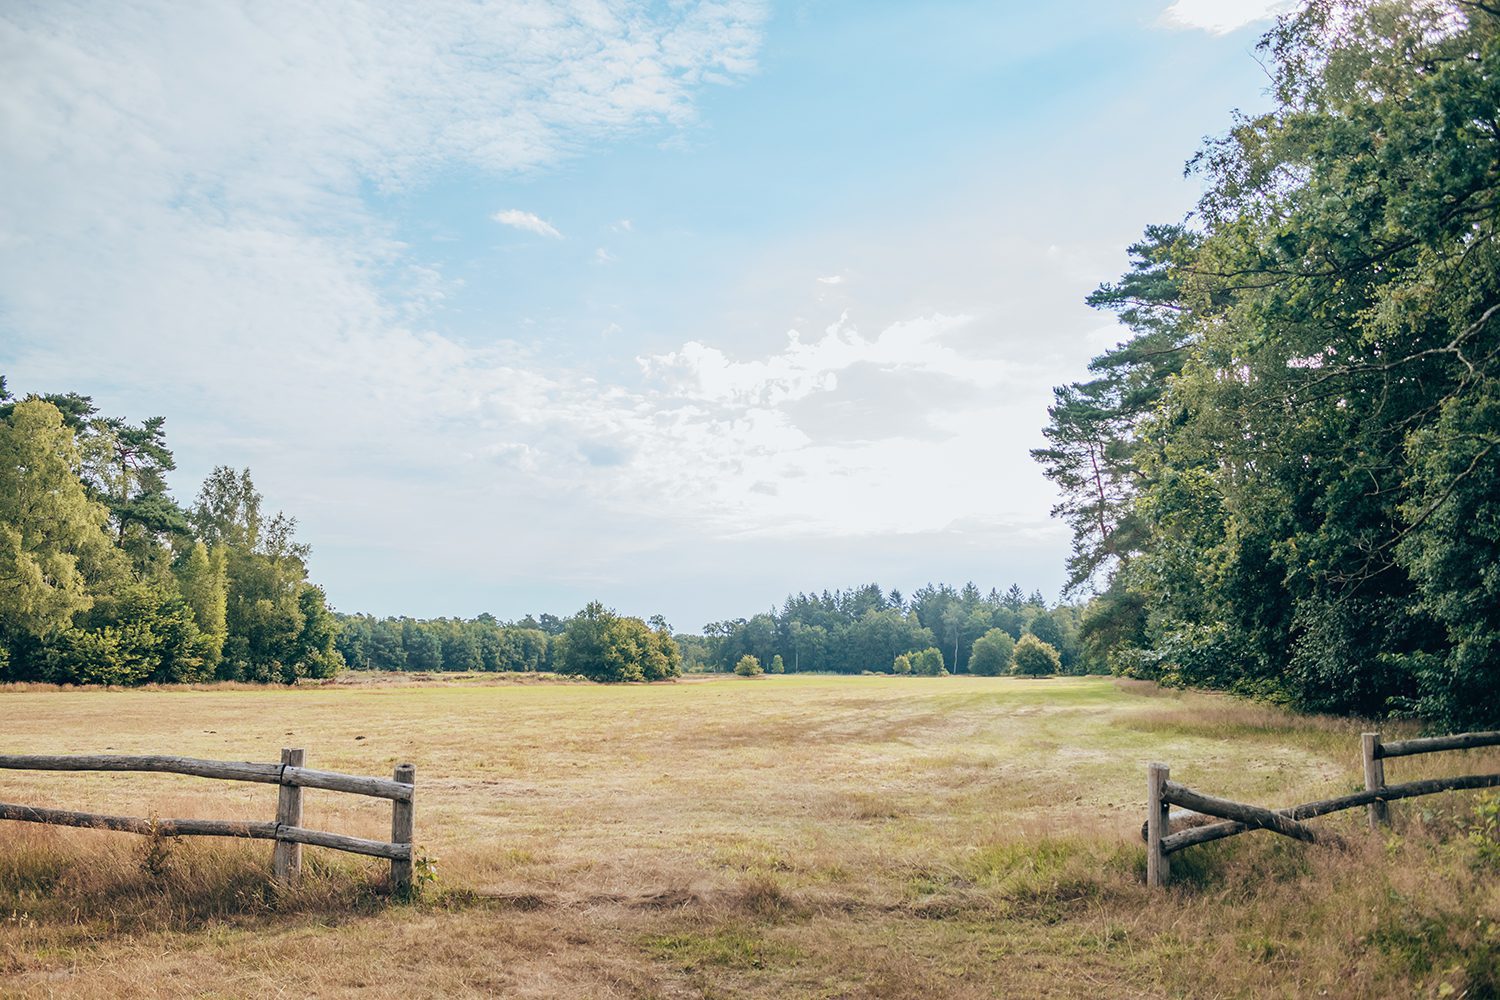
(777, 837)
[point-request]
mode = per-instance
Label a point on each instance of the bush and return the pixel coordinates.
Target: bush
(902, 665)
(992, 653)
(748, 666)
(928, 663)
(1035, 658)
(604, 646)
(778, 665)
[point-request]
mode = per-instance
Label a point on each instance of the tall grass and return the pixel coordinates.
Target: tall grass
(69, 886)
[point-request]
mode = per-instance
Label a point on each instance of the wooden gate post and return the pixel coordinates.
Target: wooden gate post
(1157, 865)
(286, 859)
(1380, 814)
(402, 829)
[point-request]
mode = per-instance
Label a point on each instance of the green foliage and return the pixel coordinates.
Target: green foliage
(992, 653)
(1286, 475)
(863, 628)
(107, 583)
(55, 558)
(928, 663)
(603, 646)
(1035, 658)
(1484, 830)
(748, 666)
(902, 665)
(203, 579)
(778, 665)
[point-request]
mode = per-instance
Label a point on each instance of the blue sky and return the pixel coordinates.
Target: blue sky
(682, 306)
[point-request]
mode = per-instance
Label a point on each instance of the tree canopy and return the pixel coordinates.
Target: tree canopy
(1284, 482)
(105, 579)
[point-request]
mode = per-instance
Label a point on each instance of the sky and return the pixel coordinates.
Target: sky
(683, 306)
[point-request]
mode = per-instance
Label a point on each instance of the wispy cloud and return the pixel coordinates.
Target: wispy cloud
(1220, 17)
(603, 256)
(517, 219)
(832, 279)
(229, 227)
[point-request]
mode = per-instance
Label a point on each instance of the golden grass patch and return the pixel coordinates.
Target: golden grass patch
(793, 837)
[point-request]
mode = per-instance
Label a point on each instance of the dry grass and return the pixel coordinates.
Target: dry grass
(788, 837)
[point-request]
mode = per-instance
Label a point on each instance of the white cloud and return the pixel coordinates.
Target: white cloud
(205, 168)
(1220, 17)
(603, 256)
(517, 219)
(184, 229)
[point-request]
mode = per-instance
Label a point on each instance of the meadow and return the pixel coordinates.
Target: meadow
(771, 837)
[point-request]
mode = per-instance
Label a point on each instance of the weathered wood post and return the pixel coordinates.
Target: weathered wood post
(402, 829)
(1157, 865)
(286, 859)
(1374, 778)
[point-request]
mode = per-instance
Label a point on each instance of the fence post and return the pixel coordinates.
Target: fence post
(1157, 865)
(1374, 778)
(286, 859)
(402, 824)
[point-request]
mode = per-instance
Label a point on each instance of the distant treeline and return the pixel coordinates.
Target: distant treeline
(106, 579)
(862, 629)
(450, 644)
(866, 629)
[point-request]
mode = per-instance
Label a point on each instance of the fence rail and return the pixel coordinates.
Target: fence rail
(286, 830)
(1162, 793)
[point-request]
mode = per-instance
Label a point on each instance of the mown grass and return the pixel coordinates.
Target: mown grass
(782, 837)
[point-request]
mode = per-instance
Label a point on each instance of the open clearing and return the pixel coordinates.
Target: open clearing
(778, 837)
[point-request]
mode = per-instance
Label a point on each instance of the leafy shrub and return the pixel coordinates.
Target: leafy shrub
(1035, 658)
(928, 663)
(992, 653)
(748, 666)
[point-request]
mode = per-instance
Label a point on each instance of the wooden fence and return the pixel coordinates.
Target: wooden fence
(286, 830)
(1167, 833)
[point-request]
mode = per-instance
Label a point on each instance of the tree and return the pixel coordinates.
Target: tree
(125, 467)
(992, 653)
(1094, 425)
(748, 666)
(145, 634)
(55, 558)
(778, 665)
(902, 665)
(928, 663)
(204, 582)
(1035, 658)
(1303, 435)
(603, 646)
(277, 625)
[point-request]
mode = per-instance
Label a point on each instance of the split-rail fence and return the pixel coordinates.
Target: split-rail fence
(286, 830)
(1237, 817)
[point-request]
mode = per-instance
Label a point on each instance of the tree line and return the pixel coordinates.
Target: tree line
(865, 628)
(1284, 482)
(106, 579)
(596, 643)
